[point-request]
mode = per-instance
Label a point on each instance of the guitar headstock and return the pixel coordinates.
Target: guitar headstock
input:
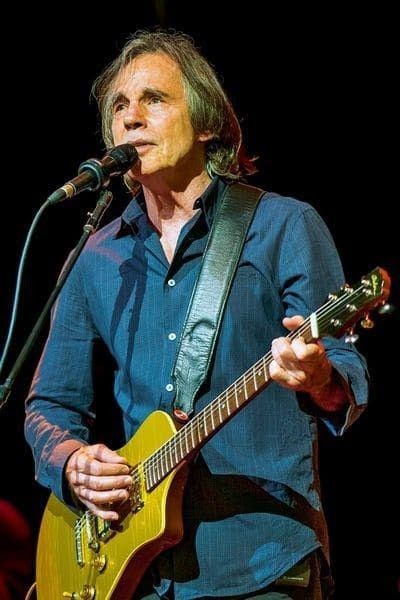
(351, 304)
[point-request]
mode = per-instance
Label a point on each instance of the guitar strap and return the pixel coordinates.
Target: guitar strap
(203, 318)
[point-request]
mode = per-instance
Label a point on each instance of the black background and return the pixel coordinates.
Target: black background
(316, 95)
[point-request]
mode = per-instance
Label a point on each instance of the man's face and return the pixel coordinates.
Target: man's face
(150, 110)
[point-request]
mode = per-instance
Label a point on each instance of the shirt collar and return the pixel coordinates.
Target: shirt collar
(136, 208)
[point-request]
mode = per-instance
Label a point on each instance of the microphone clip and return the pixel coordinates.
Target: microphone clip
(94, 174)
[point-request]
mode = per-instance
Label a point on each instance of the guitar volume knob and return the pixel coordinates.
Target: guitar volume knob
(88, 592)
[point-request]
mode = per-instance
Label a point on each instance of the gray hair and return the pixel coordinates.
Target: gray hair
(209, 108)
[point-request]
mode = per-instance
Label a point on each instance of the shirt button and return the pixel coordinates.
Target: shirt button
(169, 387)
(172, 336)
(171, 282)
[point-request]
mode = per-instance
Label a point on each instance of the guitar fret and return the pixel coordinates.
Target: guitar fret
(162, 466)
(175, 455)
(212, 418)
(192, 436)
(236, 398)
(179, 442)
(172, 458)
(186, 441)
(168, 456)
(154, 470)
(265, 369)
(225, 405)
(156, 475)
(180, 448)
(164, 463)
(175, 445)
(197, 432)
(148, 477)
(205, 423)
(244, 386)
(219, 412)
(255, 380)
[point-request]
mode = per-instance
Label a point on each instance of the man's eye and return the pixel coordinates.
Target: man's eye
(119, 106)
(155, 99)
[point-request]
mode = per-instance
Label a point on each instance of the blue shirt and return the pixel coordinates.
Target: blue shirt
(252, 506)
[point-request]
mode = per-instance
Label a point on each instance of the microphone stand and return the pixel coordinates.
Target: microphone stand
(89, 228)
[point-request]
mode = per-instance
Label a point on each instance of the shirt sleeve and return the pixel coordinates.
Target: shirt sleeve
(310, 269)
(59, 404)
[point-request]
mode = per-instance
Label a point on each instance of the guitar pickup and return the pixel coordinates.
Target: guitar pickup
(89, 530)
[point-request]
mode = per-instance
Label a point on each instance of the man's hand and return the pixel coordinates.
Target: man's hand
(99, 478)
(305, 367)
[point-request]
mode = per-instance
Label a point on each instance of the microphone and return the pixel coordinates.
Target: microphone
(95, 174)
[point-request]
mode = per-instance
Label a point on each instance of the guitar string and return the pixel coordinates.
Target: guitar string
(156, 459)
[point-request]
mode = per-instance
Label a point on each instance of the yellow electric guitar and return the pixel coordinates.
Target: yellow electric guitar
(88, 558)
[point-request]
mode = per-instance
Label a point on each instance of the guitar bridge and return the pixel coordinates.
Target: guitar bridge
(85, 533)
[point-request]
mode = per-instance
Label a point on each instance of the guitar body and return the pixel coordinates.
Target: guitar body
(113, 570)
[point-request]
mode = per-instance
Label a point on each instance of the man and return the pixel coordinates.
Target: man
(252, 511)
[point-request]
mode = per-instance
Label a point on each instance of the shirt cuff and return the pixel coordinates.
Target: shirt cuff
(357, 395)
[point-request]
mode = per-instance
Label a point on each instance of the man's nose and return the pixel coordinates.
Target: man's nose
(133, 117)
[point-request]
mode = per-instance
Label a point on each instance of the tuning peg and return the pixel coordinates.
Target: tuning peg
(367, 323)
(386, 309)
(351, 337)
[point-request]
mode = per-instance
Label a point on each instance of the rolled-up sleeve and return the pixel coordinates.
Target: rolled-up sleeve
(310, 269)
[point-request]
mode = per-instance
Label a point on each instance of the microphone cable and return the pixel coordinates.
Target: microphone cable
(17, 292)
